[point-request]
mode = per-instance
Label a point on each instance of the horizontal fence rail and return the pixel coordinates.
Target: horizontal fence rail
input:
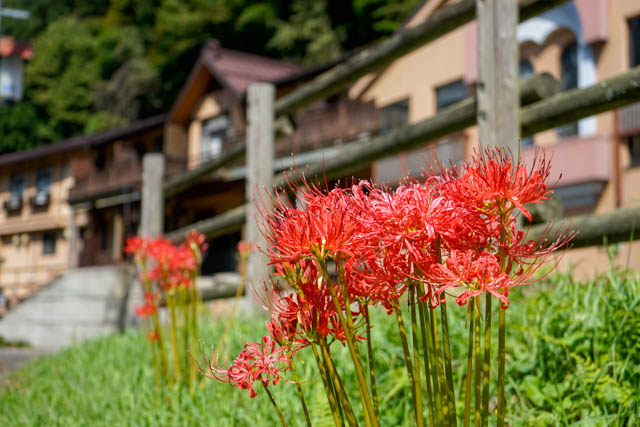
(442, 22)
(542, 115)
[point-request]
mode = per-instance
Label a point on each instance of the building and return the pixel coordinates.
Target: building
(74, 202)
(579, 43)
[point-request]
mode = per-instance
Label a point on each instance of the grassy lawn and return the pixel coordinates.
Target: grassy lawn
(573, 359)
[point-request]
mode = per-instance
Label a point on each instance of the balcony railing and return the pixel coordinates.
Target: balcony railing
(117, 178)
(327, 124)
(629, 120)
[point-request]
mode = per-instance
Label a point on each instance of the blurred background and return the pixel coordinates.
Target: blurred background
(88, 88)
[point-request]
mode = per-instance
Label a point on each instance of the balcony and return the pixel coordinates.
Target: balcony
(580, 169)
(115, 179)
(326, 124)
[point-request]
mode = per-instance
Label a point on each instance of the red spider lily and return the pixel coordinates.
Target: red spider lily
(136, 246)
(150, 307)
(493, 184)
(474, 273)
(264, 362)
(325, 226)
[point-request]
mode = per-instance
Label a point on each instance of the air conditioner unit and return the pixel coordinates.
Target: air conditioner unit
(40, 199)
(14, 203)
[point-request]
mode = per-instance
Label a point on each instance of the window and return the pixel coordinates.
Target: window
(569, 62)
(634, 41)
(43, 187)
(395, 115)
(214, 131)
(49, 242)
(525, 69)
(16, 190)
(450, 94)
(633, 143)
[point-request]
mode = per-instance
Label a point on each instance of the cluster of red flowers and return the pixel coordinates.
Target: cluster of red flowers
(167, 265)
(456, 234)
(263, 362)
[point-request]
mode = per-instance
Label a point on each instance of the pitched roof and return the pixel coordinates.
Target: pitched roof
(239, 69)
(12, 47)
(84, 142)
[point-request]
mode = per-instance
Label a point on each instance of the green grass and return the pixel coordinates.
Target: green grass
(573, 358)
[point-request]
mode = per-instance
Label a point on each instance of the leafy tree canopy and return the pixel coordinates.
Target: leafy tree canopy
(101, 63)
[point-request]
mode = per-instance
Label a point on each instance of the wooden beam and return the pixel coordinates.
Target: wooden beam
(182, 182)
(575, 104)
(355, 156)
(220, 225)
(621, 225)
(559, 109)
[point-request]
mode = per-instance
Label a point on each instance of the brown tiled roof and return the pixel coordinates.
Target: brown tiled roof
(239, 69)
(85, 141)
(12, 47)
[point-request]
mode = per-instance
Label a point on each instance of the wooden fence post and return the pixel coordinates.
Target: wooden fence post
(152, 204)
(497, 89)
(260, 142)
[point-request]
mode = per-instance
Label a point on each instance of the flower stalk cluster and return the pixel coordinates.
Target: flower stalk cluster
(339, 254)
(168, 273)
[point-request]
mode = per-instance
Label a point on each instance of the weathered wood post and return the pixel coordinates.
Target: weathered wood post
(498, 97)
(498, 103)
(151, 223)
(260, 141)
(152, 204)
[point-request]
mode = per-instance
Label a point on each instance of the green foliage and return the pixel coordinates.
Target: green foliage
(102, 63)
(573, 357)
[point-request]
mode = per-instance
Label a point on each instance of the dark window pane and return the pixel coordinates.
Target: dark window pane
(633, 143)
(43, 181)
(395, 115)
(525, 68)
(634, 41)
(49, 242)
(16, 186)
(450, 94)
(569, 61)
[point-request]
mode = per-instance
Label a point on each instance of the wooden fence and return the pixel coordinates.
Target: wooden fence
(494, 109)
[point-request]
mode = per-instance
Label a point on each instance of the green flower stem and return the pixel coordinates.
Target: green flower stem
(186, 336)
(467, 382)
(425, 355)
(478, 367)
(416, 357)
(501, 365)
(486, 368)
(447, 366)
(372, 372)
(296, 378)
(163, 360)
(275, 405)
(430, 361)
(446, 411)
(174, 337)
(337, 384)
(405, 349)
(333, 404)
(367, 407)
